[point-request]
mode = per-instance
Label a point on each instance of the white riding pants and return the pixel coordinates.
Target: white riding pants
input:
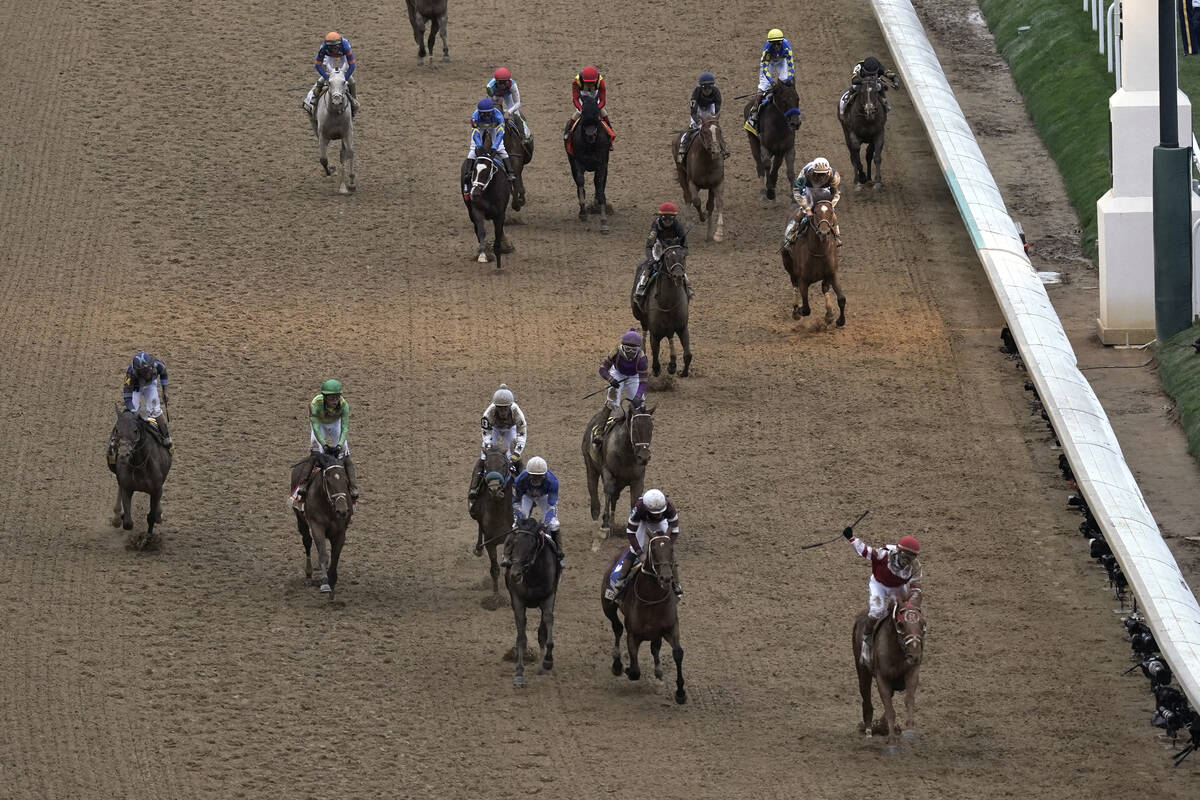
(648, 530)
(776, 69)
(145, 401)
(549, 513)
(879, 596)
(507, 438)
(330, 432)
(629, 383)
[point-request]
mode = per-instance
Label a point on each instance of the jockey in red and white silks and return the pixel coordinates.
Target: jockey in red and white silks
(895, 572)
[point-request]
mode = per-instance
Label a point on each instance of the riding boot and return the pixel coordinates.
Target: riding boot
(837, 234)
(509, 539)
(353, 87)
(598, 433)
(617, 589)
(676, 586)
(508, 168)
(161, 421)
(558, 551)
(348, 465)
(474, 492)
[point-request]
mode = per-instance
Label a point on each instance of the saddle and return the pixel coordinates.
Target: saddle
(573, 124)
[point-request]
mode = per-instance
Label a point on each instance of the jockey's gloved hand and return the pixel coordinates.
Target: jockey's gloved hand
(613, 382)
(848, 533)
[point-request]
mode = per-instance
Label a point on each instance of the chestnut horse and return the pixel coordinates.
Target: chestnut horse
(897, 646)
(814, 259)
(703, 167)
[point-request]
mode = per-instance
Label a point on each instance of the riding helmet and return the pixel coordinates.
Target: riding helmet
(774, 35)
(909, 544)
(654, 501)
(668, 208)
(589, 75)
(486, 105)
(502, 74)
(333, 37)
(503, 397)
(707, 79)
(871, 65)
(331, 386)
(537, 466)
(821, 165)
(631, 338)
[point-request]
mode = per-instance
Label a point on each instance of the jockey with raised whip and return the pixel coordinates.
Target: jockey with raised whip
(895, 576)
(503, 90)
(776, 63)
(653, 514)
(817, 181)
(502, 424)
(627, 373)
(334, 54)
(536, 489)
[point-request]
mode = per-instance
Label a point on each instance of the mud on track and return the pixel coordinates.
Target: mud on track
(180, 208)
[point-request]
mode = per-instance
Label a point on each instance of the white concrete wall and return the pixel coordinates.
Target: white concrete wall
(1082, 426)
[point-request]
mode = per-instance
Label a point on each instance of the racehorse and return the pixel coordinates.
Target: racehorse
(778, 122)
(495, 510)
(486, 198)
(863, 122)
(897, 645)
(333, 120)
(520, 153)
(814, 259)
(141, 464)
(421, 12)
(650, 610)
(664, 314)
(532, 582)
(327, 512)
(621, 462)
(587, 151)
(703, 167)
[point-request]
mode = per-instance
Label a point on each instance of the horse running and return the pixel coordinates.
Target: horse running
(664, 312)
(495, 511)
(141, 464)
(332, 120)
(896, 650)
(776, 140)
(863, 123)
(703, 167)
(532, 582)
(432, 12)
(650, 610)
(486, 199)
(327, 512)
(587, 151)
(814, 259)
(520, 153)
(621, 461)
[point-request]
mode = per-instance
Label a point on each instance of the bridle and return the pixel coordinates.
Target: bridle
(483, 164)
(138, 446)
(633, 419)
(337, 97)
(822, 227)
(672, 270)
(906, 616)
(777, 101)
(868, 88)
(331, 496)
(524, 564)
(652, 567)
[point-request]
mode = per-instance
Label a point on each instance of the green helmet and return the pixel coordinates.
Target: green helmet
(331, 387)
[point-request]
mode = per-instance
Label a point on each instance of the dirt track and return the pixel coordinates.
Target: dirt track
(179, 207)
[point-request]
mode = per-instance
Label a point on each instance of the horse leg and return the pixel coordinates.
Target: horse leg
(632, 643)
(610, 611)
(864, 689)
(350, 182)
(611, 492)
(335, 546)
(546, 636)
(828, 295)
(685, 342)
(877, 157)
(580, 192)
(655, 647)
(677, 653)
(803, 292)
(126, 503)
(498, 237)
(790, 158)
(853, 145)
(889, 711)
(318, 533)
(773, 176)
(671, 363)
(418, 27)
(434, 23)
(841, 299)
(306, 540)
(693, 196)
(494, 568)
(117, 510)
(600, 181)
(324, 147)
(719, 193)
(789, 265)
(155, 513)
(593, 478)
(519, 616)
(655, 344)
(445, 47)
(910, 704)
(480, 234)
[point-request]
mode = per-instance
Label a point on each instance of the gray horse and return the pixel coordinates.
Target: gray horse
(433, 12)
(141, 463)
(333, 120)
(703, 167)
(621, 460)
(327, 512)
(663, 312)
(532, 582)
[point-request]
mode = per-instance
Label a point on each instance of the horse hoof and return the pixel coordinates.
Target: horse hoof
(545, 668)
(604, 227)
(616, 667)
(446, 59)
(718, 237)
(671, 367)
(506, 247)
(344, 189)
(519, 682)
(478, 551)
(326, 588)
(633, 675)
(686, 372)
(841, 323)
(608, 209)
(878, 185)
(804, 312)
(910, 735)
(127, 525)
(482, 258)
(657, 370)
(829, 319)
(796, 312)
(680, 696)
(116, 522)
(420, 61)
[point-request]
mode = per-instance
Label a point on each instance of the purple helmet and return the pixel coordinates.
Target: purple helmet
(631, 338)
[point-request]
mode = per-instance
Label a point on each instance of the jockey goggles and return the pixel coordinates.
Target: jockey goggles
(629, 350)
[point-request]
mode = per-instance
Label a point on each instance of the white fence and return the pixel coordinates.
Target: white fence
(1107, 25)
(1100, 470)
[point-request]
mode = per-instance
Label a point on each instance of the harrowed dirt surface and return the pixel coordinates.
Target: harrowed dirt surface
(180, 208)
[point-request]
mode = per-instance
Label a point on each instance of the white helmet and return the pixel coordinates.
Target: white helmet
(503, 397)
(654, 501)
(821, 165)
(537, 466)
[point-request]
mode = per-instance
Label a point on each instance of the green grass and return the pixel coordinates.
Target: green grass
(1179, 370)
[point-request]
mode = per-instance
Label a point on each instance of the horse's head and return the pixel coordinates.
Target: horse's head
(785, 98)
(674, 263)
(641, 431)
(337, 489)
(589, 119)
(338, 99)
(496, 471)
(824, 220)
(528, 542)
(869, 95)
(660, 559)
(710, 135)
(910, 630)
(129, 434)
(482, 172)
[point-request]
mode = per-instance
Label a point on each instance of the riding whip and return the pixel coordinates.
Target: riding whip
(839, 536)
(606, 388)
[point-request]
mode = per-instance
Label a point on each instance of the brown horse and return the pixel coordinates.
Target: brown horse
(621, 462)
(433, 13)
(650, 610)
(141, 463)
(520, 153)
(704, 168)
(897, 646)
(814, 259)
(327, 512)
(495, 514)
(775, 142)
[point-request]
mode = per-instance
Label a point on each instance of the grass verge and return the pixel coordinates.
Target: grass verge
(1179, 370)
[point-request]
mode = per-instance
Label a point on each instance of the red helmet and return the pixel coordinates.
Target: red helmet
(909, 545)
(590, 74)
(668, 208)
(502, 74)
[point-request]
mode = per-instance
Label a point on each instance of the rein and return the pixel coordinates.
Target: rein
(649, 569)
(911, 615)
(519, 575)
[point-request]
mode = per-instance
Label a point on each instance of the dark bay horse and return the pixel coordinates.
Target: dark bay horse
(650, 610)
(141, 464)
(495, 513)
(665, 312)
(486, 198)
(621, 462)
(433, 12)
(327, 512)
(896, 650)
(587, 151)
(863, 123)
(704, 168)
(776, 140)
(814, 259)
(520, 153)
(532, 582)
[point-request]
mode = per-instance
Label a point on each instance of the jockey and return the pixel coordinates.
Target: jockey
(536, 488)
(895, 576)
(706, 99)
(652, 514)
(503, 89)
(329, 427)
(588, 83)
(776, 63)
(817, 181)
(870, 67)
(334, 54)
(628, 362)
(489, 120)
(503, 423)
(666, 231)
(145, 391)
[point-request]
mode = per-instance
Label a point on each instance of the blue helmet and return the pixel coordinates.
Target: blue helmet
(486, 105)
(143, 363)
(707, 79)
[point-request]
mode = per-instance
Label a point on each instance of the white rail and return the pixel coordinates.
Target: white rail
(1082, 426)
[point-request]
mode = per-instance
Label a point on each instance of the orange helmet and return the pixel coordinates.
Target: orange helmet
(589, 74)
(333, 36)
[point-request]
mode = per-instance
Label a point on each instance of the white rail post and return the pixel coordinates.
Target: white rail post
(1102, 16)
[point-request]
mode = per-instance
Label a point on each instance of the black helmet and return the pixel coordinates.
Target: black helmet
(707, 79)
(871, 65)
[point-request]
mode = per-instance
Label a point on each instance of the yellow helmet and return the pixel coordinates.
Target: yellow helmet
(774, 35)
(333, 36)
